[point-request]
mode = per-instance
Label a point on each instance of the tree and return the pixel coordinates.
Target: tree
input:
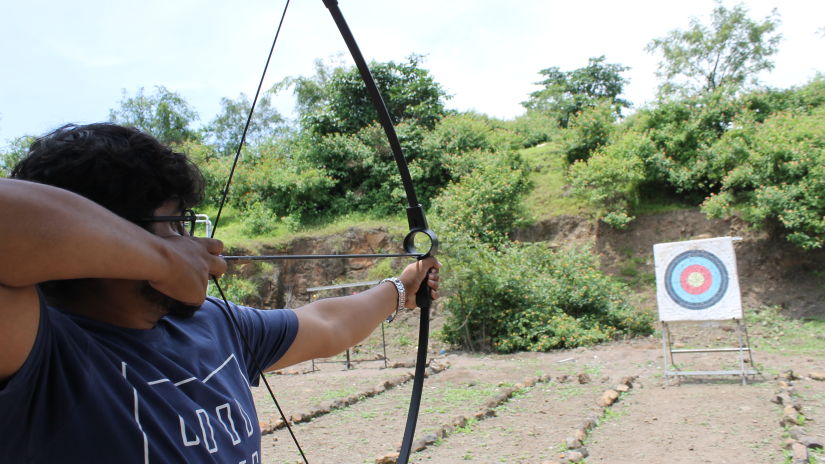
(728, 54)
(337, 101)
(15, 151)
(165, 115)
(566, 93)
(224, 132)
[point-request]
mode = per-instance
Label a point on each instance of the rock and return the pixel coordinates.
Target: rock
(576, 456)
(817, 376)
(580, 434)
(800, 453)
(588, 424)
(788, 421)
(572, 443)
(790, 410)
(811, 442)
(783, 399)
(391, 458)
(628, 380)
(459, 421)
(584, 451)
(608, 397)
(583, 378)
(796, 432)
(622, 388)
(788, 443)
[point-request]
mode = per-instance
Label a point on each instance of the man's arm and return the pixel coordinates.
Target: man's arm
(48, 233)
(329, 326)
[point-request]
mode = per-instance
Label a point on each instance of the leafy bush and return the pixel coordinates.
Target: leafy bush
(284, 187)
(779, 176)
(485, 204)
(610, 179)
(528, 297)
(236, 288)
(588, 130)
(683, 133)
(532, 128)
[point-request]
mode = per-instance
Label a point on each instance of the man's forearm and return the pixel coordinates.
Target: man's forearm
(48, 233)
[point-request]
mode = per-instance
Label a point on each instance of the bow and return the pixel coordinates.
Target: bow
(418, 228)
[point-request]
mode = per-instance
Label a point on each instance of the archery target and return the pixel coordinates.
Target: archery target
(697, 280)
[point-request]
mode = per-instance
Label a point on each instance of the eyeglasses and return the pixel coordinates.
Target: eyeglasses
(184, 225)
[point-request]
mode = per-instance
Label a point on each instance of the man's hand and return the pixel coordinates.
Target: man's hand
(413, 276)
(192, 261)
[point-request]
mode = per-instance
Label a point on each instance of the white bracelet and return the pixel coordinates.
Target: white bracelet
(402, 295)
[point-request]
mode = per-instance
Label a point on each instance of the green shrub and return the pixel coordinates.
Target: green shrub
(588, 130)
(533, 128)
(215, 170)
(779, 176)
(528, 297)
(485, 204)
(236, 288)
(683, 132)
(610, 179)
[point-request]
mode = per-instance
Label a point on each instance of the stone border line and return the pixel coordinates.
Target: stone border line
(434, 367)
(576, 451)
(793, 418)
(488, 410)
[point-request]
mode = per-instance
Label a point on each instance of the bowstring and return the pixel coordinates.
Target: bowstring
(224, 196)
(248, 122)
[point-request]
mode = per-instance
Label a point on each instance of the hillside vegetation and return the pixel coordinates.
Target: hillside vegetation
(714, 140)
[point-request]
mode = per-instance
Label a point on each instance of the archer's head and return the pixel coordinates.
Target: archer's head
(121, 168)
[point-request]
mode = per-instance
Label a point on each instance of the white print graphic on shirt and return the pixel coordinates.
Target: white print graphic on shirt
(219, 419)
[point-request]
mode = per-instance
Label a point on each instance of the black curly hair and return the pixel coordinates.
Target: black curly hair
(122, 169)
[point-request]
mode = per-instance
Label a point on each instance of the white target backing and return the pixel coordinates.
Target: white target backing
(697, 280)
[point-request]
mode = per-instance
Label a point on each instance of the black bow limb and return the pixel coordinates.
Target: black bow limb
(415, 217)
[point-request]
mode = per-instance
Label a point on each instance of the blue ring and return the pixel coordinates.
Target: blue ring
(712, 295)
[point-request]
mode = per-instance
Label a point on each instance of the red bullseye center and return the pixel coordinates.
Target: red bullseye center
(696, 279)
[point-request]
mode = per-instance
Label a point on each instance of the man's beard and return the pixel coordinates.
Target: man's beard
(168, 305)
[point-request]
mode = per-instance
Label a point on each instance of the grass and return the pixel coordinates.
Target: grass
(549, 197)
(329, 395)
(449, 399)
(231, 230)
(773, 332)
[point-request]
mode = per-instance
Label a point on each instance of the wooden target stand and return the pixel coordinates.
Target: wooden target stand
(671, 369)
(697, 280)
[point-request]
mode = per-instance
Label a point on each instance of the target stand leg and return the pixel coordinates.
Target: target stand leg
(667, 352)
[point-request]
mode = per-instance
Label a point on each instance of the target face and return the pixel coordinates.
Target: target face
(696, 280)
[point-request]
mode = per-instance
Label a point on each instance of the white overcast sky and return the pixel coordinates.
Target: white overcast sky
(69, 61)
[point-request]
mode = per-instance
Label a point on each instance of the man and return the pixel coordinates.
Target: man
(109, 351)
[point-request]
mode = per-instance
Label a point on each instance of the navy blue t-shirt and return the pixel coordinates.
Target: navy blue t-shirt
(91, 392)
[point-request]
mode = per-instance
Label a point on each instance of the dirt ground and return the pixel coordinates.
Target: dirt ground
(693, 420)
